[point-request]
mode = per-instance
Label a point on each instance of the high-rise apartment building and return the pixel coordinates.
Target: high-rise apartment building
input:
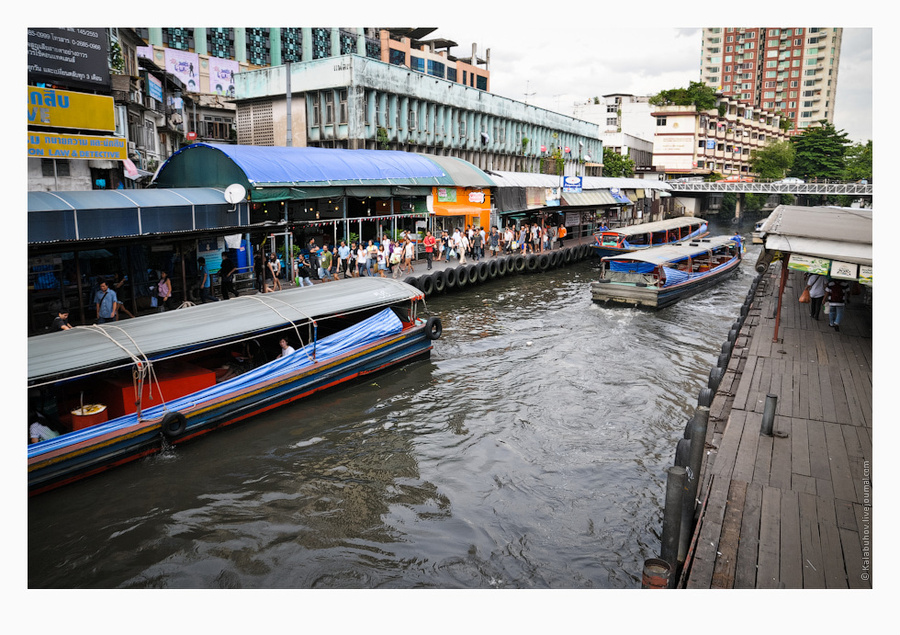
(793, 71)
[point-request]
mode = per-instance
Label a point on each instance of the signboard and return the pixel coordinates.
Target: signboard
(74, 57)
(221, 76)
(65, 109)
(865, 275)
(56, 146)
(809, 265)
(843, 270)
(185, 66)
(446, 194)
(154, 88)
(572, 184)
(476, 196)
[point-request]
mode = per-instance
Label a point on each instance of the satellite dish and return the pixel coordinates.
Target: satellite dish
(235, 193)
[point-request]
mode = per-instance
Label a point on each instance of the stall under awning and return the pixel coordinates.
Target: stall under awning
(590, 197)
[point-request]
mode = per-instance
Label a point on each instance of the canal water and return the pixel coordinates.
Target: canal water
(529, 452)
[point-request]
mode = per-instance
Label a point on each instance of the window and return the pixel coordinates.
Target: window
(481, 82)
(612, 121)
(329, 108)
(417, 63)
(316, 110)
(343, 106)
(660, 121)
(61, 167)
(435, 68)
(412, 119)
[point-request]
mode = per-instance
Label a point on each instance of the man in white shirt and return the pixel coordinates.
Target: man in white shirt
(286, 349)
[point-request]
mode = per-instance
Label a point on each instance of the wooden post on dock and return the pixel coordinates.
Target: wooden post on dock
(784, 273)
(671, 529)
(698, 444)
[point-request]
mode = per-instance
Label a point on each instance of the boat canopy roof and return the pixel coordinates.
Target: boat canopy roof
(656, 226)
(674, 252)
(83, 349)
(838, 233)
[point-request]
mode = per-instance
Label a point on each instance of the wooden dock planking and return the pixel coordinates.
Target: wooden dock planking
(792, 510)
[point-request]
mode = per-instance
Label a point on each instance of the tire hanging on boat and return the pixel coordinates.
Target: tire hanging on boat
(173, 425)
(433, 328)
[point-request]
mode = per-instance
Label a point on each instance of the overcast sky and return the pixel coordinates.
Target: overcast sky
(568, 61)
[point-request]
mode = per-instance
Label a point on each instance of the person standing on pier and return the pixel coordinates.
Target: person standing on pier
(836, 291)
(429, 242)
(815, 284)
(227, 272)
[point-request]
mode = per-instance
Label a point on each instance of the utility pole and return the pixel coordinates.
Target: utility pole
(527, 94)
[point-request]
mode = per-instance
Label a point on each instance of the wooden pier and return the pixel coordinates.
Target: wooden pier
(792, 510)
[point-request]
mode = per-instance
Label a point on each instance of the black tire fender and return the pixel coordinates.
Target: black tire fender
(173, 425)
(450, 278)
(519, 264)
(440, 281)
(433, 328)
(501, 267)
(484, 272)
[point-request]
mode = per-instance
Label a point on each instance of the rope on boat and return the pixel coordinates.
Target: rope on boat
(291, 322)
(142, 365)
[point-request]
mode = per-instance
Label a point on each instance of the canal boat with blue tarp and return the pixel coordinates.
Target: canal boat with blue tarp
(660, 276)
(119, 391)
(623, 240)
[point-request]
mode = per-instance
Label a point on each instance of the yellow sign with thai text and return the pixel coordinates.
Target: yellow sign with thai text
(46, 145)
(66, 109)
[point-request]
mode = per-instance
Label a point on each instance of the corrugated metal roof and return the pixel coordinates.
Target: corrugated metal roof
(836, 233)
(668, 253)
(463, 173)
(124, 199)
(531, 179)
(279, 166)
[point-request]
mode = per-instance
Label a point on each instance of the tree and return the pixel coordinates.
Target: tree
(773, 161)
(696, 94)
(617, 165)
(819, 152)
(858, 162)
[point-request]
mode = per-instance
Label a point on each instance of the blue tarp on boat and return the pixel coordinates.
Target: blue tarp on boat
(380, 325)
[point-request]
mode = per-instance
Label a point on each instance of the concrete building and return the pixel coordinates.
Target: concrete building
(626, 125)
(793, 71)
(689, 141)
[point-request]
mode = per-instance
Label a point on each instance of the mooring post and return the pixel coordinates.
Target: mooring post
(768, 419)
(671, 529)
(692, 483)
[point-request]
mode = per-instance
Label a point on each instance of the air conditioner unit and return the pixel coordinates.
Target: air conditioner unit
(131, 148)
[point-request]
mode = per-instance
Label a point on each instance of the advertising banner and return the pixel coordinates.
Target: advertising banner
(221, 76)
(185, 66)
(76, 56)
(154, 88)
(65, 109)
(571, 184)
(47, 145)
(446, 194)
(843, 270)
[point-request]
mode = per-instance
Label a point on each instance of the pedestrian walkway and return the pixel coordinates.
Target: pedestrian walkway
(792, 510)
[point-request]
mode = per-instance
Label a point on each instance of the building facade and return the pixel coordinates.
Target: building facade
(689, 141)
(793, 71)
(356, 102)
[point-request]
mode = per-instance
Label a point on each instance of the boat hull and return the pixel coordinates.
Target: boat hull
(91, 453)
(652, 297)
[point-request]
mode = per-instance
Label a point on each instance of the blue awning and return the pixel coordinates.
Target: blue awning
(619, 195)
(96, 214)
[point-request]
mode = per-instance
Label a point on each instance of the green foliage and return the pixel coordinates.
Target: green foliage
(696, 94)
(525, 141)
(858, 162)
(383, 140)
(773, 161)
(616, 165)
(819, 152)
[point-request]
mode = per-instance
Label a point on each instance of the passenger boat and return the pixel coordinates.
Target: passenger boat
(623, 240)
(660, 276)
(160, 380)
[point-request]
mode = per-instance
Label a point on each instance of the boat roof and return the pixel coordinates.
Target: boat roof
(656, 226)
(83, 349)
(674, 252)
(838, 233)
